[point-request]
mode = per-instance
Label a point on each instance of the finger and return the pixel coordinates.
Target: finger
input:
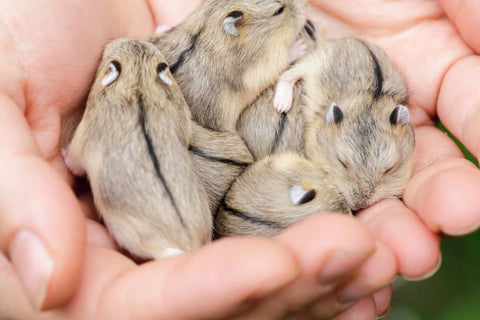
(445, 186)
(212, 283)
(363, 310)
(464, 15)
(171, 13)
(415, 247)
(382, 300)
(376, 273)
(41, 226)
(98, 235)
(459, 102)
(328, 248)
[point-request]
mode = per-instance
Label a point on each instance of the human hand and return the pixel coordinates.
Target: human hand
(69, 263)
(439, 59)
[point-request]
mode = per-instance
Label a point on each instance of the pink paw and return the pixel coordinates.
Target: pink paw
(74, 167)
(297, 50)
(283, 96)
(161, 29)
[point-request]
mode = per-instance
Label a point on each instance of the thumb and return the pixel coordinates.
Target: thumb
(42, 230)
(171, 13)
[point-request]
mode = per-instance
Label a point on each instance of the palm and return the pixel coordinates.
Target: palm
(59, 63)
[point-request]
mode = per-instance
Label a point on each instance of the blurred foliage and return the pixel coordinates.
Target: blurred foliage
(466, 153)
(454, 292)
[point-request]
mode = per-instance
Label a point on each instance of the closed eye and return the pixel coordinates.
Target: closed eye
(388, 170)
(279, 11)
(342, 163)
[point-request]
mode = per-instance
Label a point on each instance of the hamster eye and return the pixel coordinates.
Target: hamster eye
(162, 70)
(388, 170)
(279, 11)
(114, 69)
(342, 163)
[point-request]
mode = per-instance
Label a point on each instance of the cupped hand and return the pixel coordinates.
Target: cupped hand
(55, 257)
(435, 46)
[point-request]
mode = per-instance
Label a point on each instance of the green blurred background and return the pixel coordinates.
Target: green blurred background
(454, 292)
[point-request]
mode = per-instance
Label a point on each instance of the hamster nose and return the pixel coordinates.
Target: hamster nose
(360, 202)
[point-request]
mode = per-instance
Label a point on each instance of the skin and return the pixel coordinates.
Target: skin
(37, 91)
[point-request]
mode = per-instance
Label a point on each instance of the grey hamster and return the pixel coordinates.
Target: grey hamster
(228, 51)
(275, 193)
(218, 158)
(133, 144)
(356, 118)
(266, 131)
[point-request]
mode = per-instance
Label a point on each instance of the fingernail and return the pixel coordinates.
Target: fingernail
(384, 314)
(339, 264)
(33, 265)
(358, 288)
(428, 274)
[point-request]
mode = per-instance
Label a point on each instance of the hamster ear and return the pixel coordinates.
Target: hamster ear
(162, 69)
(232, 21)
(334, 115)
(298, 195)
(114, 69)
(400, 115)
(311, 30)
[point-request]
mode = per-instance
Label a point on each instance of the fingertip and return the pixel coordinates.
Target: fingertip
(42, 221)
(453, 209)
(416, 248)
(377, 272)
(382, 300)
(363, 310)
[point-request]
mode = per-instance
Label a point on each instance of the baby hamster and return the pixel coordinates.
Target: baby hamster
(356, 118)
(228, 51)
(266, 131)
(132, 141)
(273, 194)
(218, 158)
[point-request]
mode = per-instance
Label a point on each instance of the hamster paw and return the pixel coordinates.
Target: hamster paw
(297, 50)
(283, 96)
(73, 166)
(161, 29)
(169, 252)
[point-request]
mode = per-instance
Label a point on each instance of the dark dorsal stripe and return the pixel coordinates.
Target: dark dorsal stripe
(153, 157)
(279, 134)
(202, 154)
(252, 219)
(184, 55)
(378, 74)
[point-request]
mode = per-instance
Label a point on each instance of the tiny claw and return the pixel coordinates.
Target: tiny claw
(161, 29)
(74, 167)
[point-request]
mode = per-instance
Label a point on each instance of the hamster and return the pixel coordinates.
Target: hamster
(356, 118)
(228, 51)
(218, 158)
(273, 194)
(266, 131)
(133, 144)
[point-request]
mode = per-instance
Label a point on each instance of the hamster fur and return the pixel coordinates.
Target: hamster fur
(218, 158)
(228, 51)
(132, 142)
(357, 120)
(273, 194)
(266, 131)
